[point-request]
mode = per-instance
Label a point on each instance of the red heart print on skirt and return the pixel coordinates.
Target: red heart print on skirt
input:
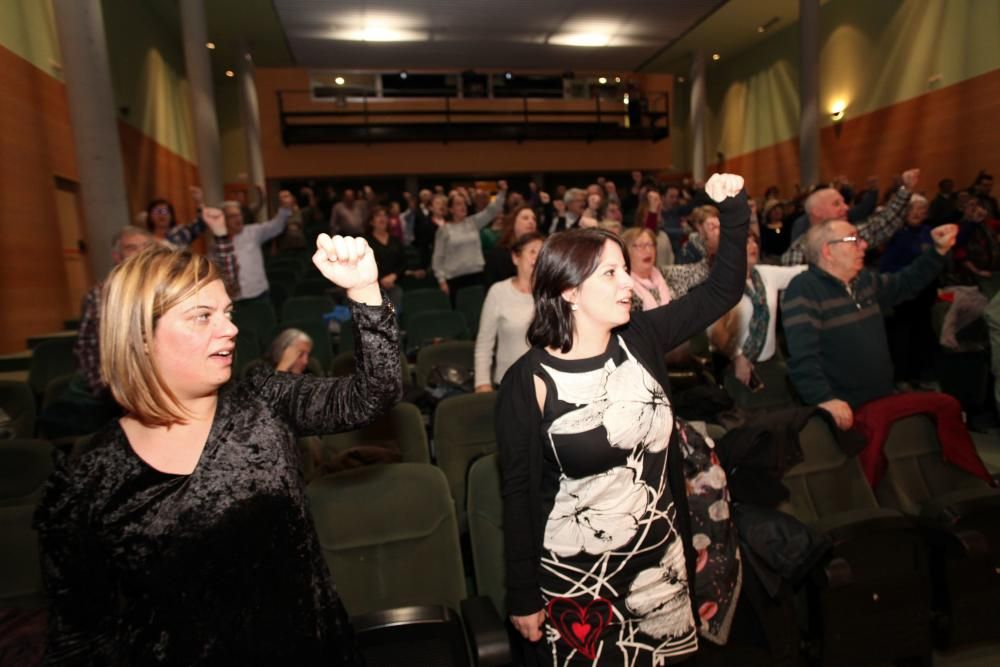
(580, 627)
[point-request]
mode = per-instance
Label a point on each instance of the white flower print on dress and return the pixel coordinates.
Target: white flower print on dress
(660, 597)
(596, 514)
(640, 415)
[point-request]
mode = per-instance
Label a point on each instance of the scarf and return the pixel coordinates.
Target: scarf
(653, 291)
(757, 334)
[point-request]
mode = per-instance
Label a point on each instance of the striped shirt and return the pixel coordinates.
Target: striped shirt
(836, 337)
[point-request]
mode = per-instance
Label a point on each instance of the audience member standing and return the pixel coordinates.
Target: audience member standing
(247, 240)
(349, 215)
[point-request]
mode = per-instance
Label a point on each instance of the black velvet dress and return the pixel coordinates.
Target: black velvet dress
(221, 566)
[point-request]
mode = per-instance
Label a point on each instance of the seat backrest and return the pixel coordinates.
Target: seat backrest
(485, 516)
(24, 466)
(21, 574)
(248, 349)
(305, 308)
(17, 400)
(422, 300)
(463, 431)
(454, 352)
(827, 482)
(255, 316)
(429, 326)
(388, 534)
(49, 360)
(313, 287)
(402, 429)
(915, 470)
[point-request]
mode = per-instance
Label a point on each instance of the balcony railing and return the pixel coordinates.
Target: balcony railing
(363, 119)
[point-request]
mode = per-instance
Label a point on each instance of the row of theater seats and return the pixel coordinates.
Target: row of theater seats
(915, 563)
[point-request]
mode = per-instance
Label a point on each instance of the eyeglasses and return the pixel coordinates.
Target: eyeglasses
(161, 209)
(846, 239)
(643, 246)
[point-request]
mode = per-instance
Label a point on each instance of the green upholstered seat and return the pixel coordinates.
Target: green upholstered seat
(389, 535)
(463, 432)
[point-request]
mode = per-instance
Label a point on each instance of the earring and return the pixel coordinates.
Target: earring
(574, 306)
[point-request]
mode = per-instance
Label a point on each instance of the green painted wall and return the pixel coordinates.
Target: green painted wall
(874, 53)
(147, 68)
(27, 28)
(231, 138)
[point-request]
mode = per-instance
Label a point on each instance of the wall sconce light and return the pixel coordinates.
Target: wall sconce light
(837, 111)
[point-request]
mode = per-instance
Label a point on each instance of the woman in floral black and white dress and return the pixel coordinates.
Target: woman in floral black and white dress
(619, 546)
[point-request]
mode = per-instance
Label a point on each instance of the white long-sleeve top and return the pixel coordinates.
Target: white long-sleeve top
(503, 329)
(776, 279)
(457, 248)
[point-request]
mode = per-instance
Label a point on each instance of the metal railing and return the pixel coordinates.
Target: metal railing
(304, 119)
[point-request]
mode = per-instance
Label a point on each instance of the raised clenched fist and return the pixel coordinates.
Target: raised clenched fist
(722, 186)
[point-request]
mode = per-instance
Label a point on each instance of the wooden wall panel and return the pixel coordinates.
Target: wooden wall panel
(36, 145)
(947, 133)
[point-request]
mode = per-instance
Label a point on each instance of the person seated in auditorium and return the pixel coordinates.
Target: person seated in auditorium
(981, 189)
(942, 207)
(499, 263)
(828, 204)
(247, 239)
(127, 242)
(832, 316)
(746, 335)
(349, 215)
(505, 316)
(575, 201)
(595, 203)
(458, 253)
(289, 352)
(694, 250)
(909, 329)
(161, 222)
(682, 277)
(294, 236)
(864, 204)
(184, 536)
(977, 255)
(649, 287)
(774, 236)
(389, 254)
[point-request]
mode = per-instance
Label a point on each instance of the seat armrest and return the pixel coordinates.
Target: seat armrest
(486, 632)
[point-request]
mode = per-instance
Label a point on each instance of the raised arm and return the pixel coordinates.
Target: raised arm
(894, 288)
(489, 214)
(223, 252)
(677, 321)
(265, 231)
(315, 406)
(880, 227)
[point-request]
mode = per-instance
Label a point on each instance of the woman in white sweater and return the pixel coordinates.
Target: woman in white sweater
(746, 334)
(458, 253)
(506, 314)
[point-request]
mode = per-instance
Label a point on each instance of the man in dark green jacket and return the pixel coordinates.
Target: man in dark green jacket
(832, 314)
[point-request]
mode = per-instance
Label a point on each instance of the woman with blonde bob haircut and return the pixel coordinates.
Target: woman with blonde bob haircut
(183, 536)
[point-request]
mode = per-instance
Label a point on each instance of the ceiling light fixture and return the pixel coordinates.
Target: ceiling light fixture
(584, 39)
(761, 28)
(403, 75)
(618, 79)
(230, 73)
(380, 33)
(339, 81)
(508, 76)
(716, 56)
(209, 45)
(602, 80)
(681, 79)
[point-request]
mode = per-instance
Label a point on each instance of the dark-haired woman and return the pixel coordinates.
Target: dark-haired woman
(162, 223)
(499, 264)
(619, 547)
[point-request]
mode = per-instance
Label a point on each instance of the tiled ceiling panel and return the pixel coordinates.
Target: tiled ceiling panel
(514, 34)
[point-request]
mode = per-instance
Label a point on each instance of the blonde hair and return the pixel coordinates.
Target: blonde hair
(701, 214)
(135, 296)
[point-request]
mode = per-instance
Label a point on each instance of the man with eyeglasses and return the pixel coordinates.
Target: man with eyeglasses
(839, 352)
